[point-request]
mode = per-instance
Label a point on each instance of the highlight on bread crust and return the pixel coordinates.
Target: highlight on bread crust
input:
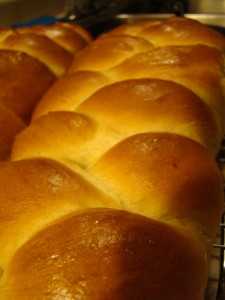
(115, 177)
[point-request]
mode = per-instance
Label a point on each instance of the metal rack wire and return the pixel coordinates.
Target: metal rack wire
(221, 245)
(221, 282)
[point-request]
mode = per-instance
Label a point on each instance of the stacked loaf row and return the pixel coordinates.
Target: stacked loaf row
(31, 60)
(113, 191)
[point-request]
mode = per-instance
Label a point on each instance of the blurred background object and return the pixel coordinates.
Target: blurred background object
(16, 11)
(84, 8)
(20, 11)
(206, 6)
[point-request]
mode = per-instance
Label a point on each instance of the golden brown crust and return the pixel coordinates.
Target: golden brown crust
(139, 105)
(197, 67)
(19, 91)
(173, 31)
(111, 50)
(111, 150)
(48, 52)
(69, 91)
(85, 34)
(62, 35)
(51, 135)
(10, 125)
(191, 66)
(110, 254)
(39, 192)
(5, 32)
(30, 61)
(155, 161)
(153, 105)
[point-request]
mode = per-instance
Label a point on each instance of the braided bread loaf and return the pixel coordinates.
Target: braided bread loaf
(31, 59)
(114, 191)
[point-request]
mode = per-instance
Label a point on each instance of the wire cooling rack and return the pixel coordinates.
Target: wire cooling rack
(220, 295)
(216, 282)
(219, 246)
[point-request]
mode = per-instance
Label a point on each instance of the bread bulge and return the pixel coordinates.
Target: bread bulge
(150, 163)
(107, 254)
(41, 191)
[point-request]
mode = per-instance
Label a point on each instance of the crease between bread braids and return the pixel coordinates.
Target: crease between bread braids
(31, 59)
(114, 189)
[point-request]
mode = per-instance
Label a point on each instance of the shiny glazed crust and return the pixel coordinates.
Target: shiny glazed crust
(114, 191)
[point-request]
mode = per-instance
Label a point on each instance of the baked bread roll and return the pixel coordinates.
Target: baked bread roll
(101, 121)
(173, 31)
(104, 244)
(114, 189)
(29, 65)
(69, 36)
(196, 67)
